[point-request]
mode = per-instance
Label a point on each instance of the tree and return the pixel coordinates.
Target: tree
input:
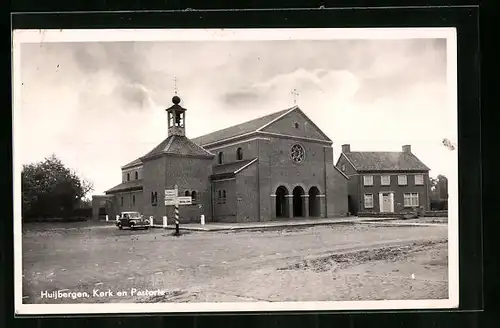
(439, 192)
(51, 189)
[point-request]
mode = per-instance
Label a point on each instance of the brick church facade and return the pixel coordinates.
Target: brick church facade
(279, 166)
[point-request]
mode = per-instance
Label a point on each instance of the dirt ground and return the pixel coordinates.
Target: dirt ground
(337, 262)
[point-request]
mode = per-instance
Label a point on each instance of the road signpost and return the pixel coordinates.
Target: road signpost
(172, 198)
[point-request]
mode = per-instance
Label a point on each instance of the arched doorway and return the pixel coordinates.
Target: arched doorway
(298, 207)
(281, 202)
(314, 209)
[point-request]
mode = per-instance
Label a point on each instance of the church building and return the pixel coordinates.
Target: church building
(279, 166)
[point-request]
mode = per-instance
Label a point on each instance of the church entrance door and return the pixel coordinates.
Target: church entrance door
(281, 202)
(314, 202)
(298, 206)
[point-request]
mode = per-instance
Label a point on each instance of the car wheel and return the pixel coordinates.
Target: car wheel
(120, 227)
(146, 228)
(132, 226)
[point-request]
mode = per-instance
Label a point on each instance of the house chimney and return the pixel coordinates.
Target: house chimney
(406, 149)
(346, 148)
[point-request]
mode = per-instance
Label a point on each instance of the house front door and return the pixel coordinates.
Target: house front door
(386, 202)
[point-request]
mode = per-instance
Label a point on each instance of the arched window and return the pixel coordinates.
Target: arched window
(136, 175)
(221, 158)
(223, 196)
(133, 200)
(193, 197)
(121, 201)
(239, 154)
(128, 176)
(154, 198)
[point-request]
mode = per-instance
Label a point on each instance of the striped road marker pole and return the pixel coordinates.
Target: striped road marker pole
(177, 219)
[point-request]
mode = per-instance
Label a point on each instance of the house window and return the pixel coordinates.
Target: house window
(343, 167)
(121, 201)
(411, 199)
(402, 180)
(187, 193)
(385, 180)
(239, 154)
(222, 196)
(128, 176)
(368, 180)
(419, 179)
(136, 175)
(296, 125)
(220, 158)
(368, 200)
(133, 200)
(193, 197)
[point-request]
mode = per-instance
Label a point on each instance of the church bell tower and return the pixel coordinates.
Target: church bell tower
(176, 118)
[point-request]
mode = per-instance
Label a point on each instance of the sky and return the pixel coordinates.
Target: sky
(100, 105)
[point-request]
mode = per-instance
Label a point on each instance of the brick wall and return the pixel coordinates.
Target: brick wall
(336, 191)
(131, 172)
(225, 211)
(249, 150)
(398, 190)
(247, 194)
(353, 186)
(286, 125)
(276, 169)
(154, 181)
(190, 173)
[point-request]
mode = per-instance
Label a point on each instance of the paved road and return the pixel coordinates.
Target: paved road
(84, 259)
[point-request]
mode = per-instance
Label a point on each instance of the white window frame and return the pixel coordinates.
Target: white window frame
(421, 182)
(365, 202)
(382, 180)
(411, 199)
(400, 183)
(365, 182)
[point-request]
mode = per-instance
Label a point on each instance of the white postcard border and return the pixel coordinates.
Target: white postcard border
(41, 36)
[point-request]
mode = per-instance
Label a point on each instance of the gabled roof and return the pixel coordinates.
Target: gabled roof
(178, 145)
(229, 170)
(240, 129)
(385, 161)
(126, 186)
(340, 171)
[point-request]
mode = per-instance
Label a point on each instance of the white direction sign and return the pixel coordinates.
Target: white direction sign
(185, 200)
(170, 197)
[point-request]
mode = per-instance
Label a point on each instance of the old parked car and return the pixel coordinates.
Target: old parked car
(132, 220)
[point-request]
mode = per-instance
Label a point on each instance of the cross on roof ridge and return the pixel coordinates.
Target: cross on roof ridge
(295, 94)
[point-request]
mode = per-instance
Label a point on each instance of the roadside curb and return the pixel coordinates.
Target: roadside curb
(272, 226)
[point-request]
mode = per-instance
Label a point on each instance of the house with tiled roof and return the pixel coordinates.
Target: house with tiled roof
(276, 166)
(385, 182)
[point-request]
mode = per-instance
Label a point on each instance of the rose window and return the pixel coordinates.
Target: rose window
(297, 153)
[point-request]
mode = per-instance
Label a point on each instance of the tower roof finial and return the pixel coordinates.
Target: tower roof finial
(176, 99)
